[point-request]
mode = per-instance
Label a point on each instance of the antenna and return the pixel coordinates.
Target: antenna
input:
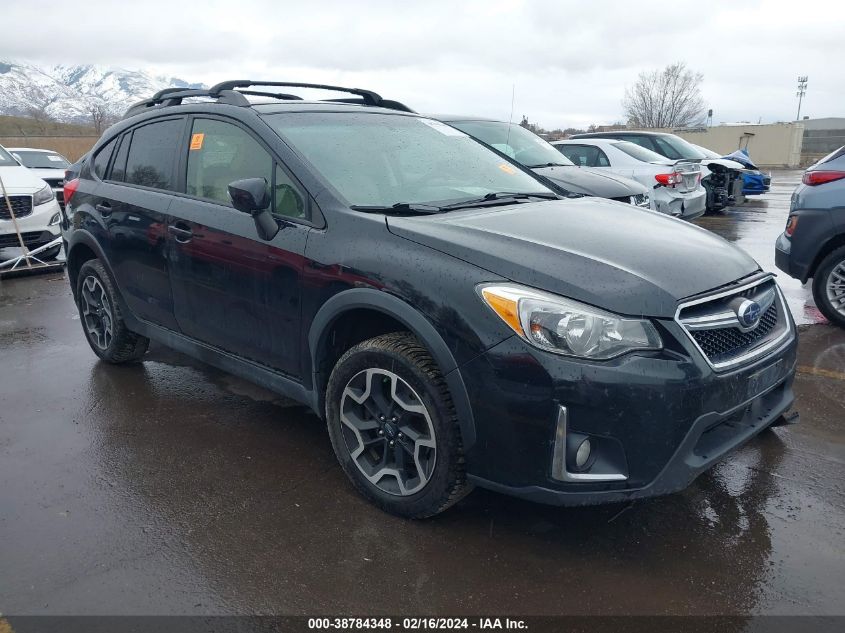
(510, 120)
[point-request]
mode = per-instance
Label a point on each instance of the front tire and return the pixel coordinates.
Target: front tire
(102, 320)
(393, 427)
(829, 287)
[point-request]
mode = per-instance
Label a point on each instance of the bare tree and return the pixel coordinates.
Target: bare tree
(40, 115)
(665, 98)
(100, 117)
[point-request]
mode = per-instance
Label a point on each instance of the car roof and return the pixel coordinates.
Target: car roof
(446, 118)
(31, 149)
(618, 133)
(598, 141)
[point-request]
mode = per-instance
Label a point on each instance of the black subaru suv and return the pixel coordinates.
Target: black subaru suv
(453, 321)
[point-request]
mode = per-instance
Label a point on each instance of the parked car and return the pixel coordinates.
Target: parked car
(721, 178)
(453, 320)
(754, 181)
(813, 243)
(535, 153)
(49, 166)
(676, 185)
(33, 205)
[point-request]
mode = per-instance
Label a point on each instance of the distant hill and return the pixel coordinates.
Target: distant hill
(68, 93)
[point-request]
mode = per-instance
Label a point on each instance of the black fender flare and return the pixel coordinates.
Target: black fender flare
(414, 320)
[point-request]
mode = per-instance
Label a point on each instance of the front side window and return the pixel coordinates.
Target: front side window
(220, 153)
(515, 141)
(152, 154)
(375, 159)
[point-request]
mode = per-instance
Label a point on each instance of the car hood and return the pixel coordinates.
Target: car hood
(20, 180)
(728, 164)
(43, 172)
(628, 260)
(591, 182)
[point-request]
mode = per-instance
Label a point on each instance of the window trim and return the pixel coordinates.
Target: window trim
(315, 219)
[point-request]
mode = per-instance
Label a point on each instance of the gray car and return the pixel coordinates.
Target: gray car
(533, 152)
(813, 242)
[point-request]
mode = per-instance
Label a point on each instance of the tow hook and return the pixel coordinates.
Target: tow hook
(790, 417)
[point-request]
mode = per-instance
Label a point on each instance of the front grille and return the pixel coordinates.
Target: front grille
(30, 238)
(714, 326)
(21, 205)
(721, 344)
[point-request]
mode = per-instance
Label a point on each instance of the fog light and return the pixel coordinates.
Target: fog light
(582, 455)
(54, 220)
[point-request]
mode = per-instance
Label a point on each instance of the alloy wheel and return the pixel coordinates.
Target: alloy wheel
(388, 431)
(96, 312)
(835, 287)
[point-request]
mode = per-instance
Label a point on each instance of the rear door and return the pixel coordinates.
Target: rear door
(135, 196)
(233, 290)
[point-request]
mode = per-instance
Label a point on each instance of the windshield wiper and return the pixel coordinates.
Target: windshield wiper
(549, 165)
(500, 197)
(399, 207)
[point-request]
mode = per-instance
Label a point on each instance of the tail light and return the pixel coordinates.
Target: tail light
(791, 223)
(70, 189)
(669, 180)
(814, 178)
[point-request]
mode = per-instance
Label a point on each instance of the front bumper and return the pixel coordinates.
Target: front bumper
(670, 414)
(35, 228)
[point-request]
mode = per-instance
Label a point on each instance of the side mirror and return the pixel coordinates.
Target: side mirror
(250, 195)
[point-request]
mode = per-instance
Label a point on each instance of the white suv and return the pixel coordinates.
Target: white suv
(34, 205)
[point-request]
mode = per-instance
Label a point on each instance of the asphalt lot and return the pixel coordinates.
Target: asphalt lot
(173, 488)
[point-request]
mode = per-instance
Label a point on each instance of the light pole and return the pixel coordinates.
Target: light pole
(802, 89)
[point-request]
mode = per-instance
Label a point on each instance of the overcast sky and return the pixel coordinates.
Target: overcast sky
(569, 61)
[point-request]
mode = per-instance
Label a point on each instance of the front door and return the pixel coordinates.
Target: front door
(233, 290)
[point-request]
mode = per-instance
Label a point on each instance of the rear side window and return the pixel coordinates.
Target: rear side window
(639, 152)
(101, 160)
(118, 168)
(153, 153)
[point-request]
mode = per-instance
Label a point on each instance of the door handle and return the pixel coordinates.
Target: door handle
(104, 208)
(181, 233)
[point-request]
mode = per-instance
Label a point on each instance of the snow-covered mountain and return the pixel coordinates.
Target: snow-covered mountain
(68, 93)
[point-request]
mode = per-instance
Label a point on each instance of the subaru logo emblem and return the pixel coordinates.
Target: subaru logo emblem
(748, 313)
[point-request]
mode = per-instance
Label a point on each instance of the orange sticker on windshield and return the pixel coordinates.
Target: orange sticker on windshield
(507, 168)
(196, 140)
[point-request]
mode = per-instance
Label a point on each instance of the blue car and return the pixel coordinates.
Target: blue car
(754, 182)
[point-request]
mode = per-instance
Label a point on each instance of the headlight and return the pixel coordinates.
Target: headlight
(568, 327)
(42, 195)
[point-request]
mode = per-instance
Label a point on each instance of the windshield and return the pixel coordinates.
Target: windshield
(383, 159)
(6, 159)
(42, 160)
(675, 147)
(639, 152)
(515, 141)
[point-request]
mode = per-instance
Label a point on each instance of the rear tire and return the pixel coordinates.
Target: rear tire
(393, 427)
(101, 317)
(829, 287)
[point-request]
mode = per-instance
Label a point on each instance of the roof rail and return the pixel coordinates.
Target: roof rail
(370, 98)
(174, 96)
(225, 92)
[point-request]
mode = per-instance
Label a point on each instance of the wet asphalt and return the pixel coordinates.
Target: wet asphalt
(173, 488)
